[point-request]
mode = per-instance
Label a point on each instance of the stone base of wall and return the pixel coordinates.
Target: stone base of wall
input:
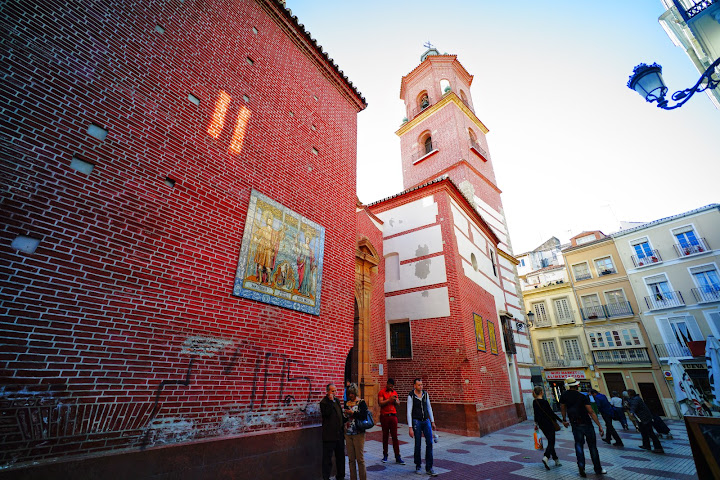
(286, 454)
(464, 419)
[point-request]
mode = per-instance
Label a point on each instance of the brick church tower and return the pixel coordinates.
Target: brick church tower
(453, 313)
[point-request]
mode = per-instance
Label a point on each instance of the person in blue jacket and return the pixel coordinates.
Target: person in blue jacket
(606, 410)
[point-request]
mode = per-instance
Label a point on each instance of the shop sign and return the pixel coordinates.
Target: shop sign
(563, 374)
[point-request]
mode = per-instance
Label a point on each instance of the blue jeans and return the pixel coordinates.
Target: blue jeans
(421, 428)
(583, 433)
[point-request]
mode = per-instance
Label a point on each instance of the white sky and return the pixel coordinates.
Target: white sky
(573, 148)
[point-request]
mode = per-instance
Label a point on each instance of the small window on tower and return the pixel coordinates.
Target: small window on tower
(445, 86)
(463, 97)
(428, 144)
(473, 137)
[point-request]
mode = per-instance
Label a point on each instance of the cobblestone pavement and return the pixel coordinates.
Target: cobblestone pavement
(509, 454)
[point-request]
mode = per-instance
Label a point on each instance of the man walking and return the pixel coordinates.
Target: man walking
(606, 410)
(388, 401)
(618, 410)
(645, 422)
(421, 421)
(575, 407)
(333, 436)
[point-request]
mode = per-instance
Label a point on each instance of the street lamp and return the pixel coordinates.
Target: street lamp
(521, 325)
(647, 81)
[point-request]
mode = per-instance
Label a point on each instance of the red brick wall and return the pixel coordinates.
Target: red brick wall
(444, 350)
(128, 268)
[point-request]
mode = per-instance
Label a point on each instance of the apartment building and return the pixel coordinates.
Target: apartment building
(672, 265)
(621, 351)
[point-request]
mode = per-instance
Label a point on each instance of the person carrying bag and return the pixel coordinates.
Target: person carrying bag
(547, 421)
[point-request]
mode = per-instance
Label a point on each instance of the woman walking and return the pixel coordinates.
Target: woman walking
(547, 421)
(355, 409)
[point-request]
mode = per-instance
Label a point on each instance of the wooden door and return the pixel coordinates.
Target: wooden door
(652, 400)
(615, 383)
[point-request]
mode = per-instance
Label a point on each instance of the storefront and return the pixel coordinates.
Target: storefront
(556, 384)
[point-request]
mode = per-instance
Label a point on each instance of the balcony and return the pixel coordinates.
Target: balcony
(478, 149)
(698, 8)
(582, 276)
(420, 156)
(569, 320)
(620, 309)
(560, 361)
(706, 294)
(624, 355)
(596, 312)
(664, 300)
(650, 259)
(544, 322)
(667, 350)
(414, 112)
(687, 250)
(607, 271)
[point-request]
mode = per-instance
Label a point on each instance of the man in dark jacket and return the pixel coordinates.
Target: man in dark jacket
(606, 410)
(332, 434)
(645, 422)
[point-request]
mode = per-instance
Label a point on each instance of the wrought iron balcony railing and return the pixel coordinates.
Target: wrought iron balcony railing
(565, 361)
(582, 276)
(539, 323)
(566, 320)
(650, 259)
(620, 309)
(622, 355)
(706, 294)
(664, 300)
(596, 312)
(607, 271)
(698, 7)
(478, 149)
(417, 156)
(686, 250)
(666, 350)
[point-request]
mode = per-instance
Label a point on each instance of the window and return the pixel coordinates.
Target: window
(549, 351)
(572, 349)
(473, 137)
(661, 294)
(508, 335)
(592, 309)
(544, 262)
(522, 262)
(581, 271)
(615, 296)
(562, 310)
(617, 304)
(400, 346)
(427, 144)
(708, 283)
(687, 241)
(643, 249)
(540, 313)
(463, 97)
(604, 266)
(585, 239)
(615, 338)
(680, 329)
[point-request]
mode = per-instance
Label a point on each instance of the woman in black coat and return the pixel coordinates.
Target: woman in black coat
(544, 417)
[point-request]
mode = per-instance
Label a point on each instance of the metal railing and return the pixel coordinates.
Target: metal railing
(582, 276)
(418, 155)
(664, 300)
(414, 112)
(624, 355)
(607, 271)
(565, 361)
(699, 7)
(542, 323)
(650, 259)
(686, 250)
(666, 350)
(620, 309)
(706, 294)
(596, 312)
(478, 149)
(566, 320)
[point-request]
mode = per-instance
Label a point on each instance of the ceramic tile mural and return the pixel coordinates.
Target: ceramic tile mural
(281, 257)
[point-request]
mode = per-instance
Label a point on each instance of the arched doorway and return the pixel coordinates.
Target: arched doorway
(359, 368)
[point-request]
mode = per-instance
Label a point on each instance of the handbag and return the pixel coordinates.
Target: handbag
(554, 422)
(367, 423)
(538, 439)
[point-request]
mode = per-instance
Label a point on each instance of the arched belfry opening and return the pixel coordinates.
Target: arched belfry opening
(366, 264)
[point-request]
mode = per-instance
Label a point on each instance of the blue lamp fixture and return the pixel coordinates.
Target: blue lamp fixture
(647, 81)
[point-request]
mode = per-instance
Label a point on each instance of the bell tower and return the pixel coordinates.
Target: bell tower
(442, 134)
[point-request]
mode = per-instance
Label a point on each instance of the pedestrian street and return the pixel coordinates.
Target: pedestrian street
(508, 454)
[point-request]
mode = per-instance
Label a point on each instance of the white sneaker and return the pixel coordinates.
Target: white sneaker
(545, 461)
(557, 463)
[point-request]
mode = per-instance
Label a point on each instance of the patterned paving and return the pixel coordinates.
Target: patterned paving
(508, 455)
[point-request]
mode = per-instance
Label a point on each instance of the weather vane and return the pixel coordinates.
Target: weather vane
(428, 44)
